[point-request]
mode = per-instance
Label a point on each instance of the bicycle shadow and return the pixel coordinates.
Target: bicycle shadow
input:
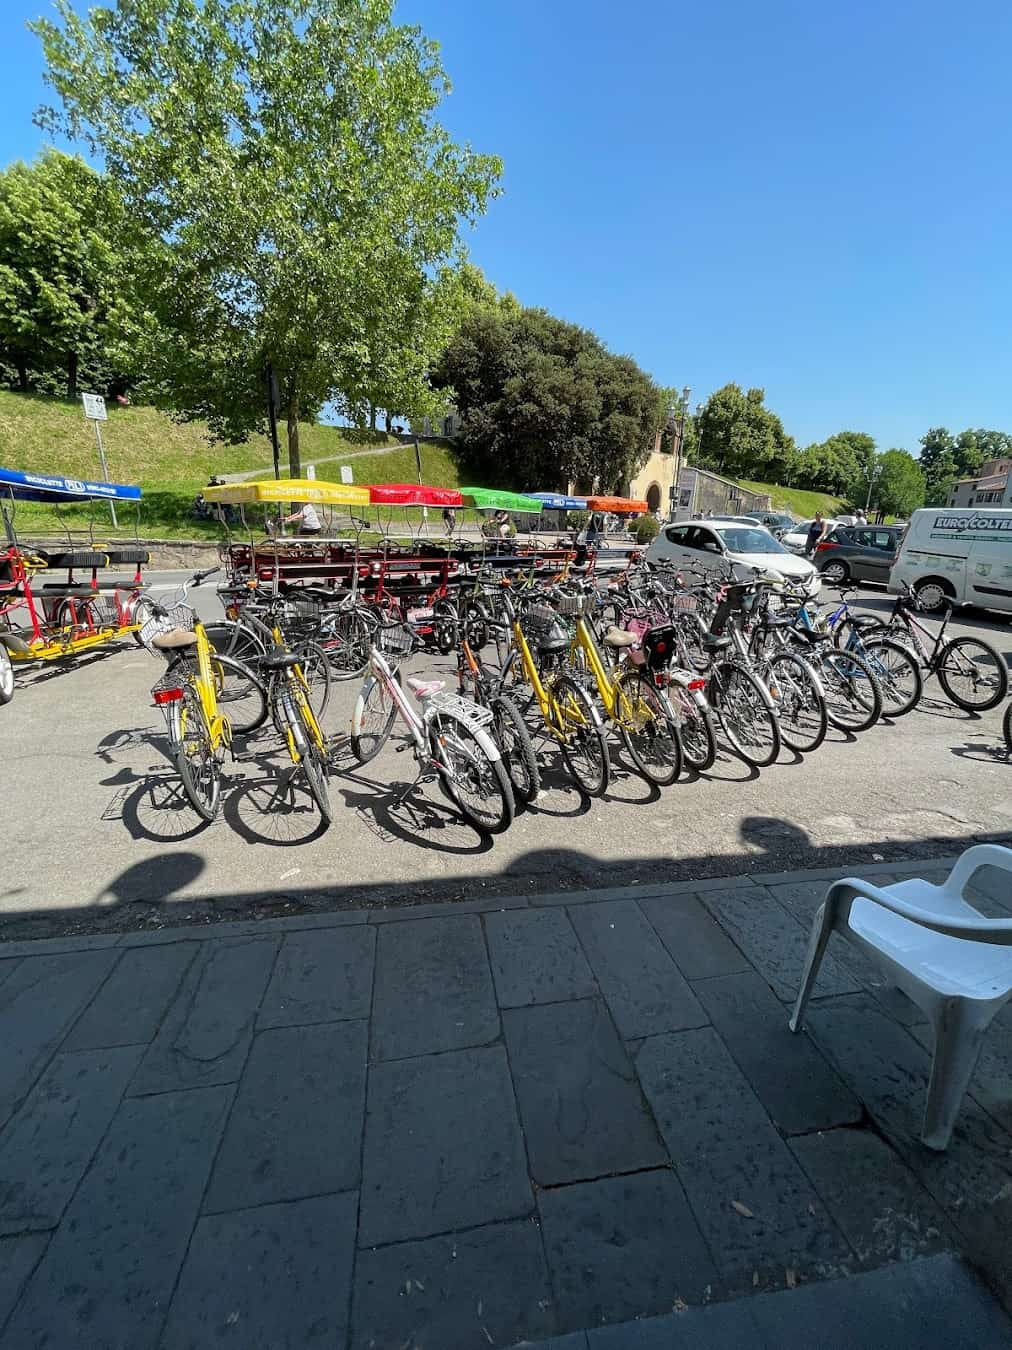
(415, 818)
(157, 810)
(983, 754)
(938, 707)
(276, 809)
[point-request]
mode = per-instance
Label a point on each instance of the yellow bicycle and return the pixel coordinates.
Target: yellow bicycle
(568, 715)
(627, 694)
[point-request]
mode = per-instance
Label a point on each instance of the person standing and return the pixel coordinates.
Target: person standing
(309, 521)
(817, 531)
(449, 519)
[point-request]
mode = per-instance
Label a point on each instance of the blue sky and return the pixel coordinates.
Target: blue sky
(809, 197)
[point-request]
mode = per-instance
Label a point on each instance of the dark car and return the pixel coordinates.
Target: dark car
(776, 521)
(859, 553)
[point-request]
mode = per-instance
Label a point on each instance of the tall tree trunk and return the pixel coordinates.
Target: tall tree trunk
(372, 416)
(294, 459)
(22, 369)
(388, 423)
(72, 364)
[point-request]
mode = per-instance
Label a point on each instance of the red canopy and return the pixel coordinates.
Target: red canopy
(619, 505)
(413, 494)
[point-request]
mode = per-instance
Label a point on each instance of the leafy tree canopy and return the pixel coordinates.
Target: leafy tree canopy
(544, 403)
(300, 198)
(899, 486)
(739, 435)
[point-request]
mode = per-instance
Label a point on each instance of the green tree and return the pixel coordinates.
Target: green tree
(544, 402)
(64, 280)
(284, 160)
(739, 435)
(938, 464)
(899, 486)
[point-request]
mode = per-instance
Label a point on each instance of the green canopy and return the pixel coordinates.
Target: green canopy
(495, 499)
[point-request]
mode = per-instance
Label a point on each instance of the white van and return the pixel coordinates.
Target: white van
(964, 554)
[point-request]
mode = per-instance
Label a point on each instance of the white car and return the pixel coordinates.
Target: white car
(796, 537)
(712, 544)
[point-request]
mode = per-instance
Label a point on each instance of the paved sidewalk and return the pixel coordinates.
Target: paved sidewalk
(458, 1126)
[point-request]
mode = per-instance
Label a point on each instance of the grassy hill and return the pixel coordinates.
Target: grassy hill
(798, 501)
(172, 461)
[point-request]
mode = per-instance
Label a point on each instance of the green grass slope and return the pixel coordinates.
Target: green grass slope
(172, 461)
(799, 501)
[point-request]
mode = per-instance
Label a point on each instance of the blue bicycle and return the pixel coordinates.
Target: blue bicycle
(892, 662)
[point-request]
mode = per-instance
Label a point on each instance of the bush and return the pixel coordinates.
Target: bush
(645, 528)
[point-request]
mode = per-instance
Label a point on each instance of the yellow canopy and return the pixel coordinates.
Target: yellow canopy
(288, 490)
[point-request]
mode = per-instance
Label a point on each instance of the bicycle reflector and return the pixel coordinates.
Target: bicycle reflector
(163, 696)
(697, 684)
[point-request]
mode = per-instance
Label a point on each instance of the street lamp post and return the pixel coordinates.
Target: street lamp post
(873, 476)
(676, 426)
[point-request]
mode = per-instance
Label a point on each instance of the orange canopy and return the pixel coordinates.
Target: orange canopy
(621, 506)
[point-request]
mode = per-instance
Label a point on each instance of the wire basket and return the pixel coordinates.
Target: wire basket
(396, 640)
(537, 620)
(573, 605)
(685, 604)
(174, 616)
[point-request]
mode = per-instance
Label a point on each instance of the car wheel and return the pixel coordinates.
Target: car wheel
(932, 594)
(835, 572)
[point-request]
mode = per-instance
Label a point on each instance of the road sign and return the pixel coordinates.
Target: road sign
(346, 474)
(94, 408)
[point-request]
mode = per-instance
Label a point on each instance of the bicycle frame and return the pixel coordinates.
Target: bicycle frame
(379, 669)
(585, 642)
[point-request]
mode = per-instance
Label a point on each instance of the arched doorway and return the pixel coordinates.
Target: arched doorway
(654, 497)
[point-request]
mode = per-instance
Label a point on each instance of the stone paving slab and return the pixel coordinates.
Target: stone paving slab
(500, 1121)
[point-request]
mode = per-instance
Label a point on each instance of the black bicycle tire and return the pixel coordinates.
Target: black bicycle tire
(240, 726)
(502, 706)
(1006, 727)
(702, 719)
(1002, 686)
(785, 658)
(647, 691)
(463, 727)
(235, 641)
(207, 809)
(597, 786)
(877, 703)
(716, 701)
(365, 755)
(314, 649)
(365, 625)
(894, 710)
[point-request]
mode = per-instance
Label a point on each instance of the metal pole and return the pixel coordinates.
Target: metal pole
(105, 470)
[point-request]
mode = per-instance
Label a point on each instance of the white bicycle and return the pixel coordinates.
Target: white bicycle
(449, 734)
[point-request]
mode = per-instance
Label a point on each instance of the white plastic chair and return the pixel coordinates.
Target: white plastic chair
(954, 963)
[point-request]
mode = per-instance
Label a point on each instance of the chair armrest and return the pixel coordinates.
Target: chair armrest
(843, 893)
(980, 855)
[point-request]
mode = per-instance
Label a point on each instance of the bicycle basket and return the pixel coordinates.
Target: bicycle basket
(543, 628)
(659, 646)
(685, 604)
(175, 616)
(397, 640)
(573, 605)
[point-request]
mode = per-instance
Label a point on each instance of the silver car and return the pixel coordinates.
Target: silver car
(712, 544)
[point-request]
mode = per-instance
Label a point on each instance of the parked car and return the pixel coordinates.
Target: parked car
(777, 522)
(796, 537)
(957, 553)
(712, 544)
(858, 553)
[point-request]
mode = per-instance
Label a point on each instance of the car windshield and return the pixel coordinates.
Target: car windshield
(747, 539)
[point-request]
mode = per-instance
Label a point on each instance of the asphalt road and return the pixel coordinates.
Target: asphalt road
(97, 834)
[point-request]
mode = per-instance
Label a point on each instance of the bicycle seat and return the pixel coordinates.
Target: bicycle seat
(715, 644)
(279, 659)
(175, 637)
(778, 620)
(618, 637)
(425, 688)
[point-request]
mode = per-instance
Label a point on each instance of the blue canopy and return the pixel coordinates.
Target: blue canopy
(558, 501)
(45, 487)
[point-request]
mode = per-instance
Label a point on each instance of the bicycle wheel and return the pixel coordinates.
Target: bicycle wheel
(695, 726)
(197, 762)
(649, 733)
(853, 694)
(747, 717)
(235, 641)
(476, 625)
(312, 753)
(346, 638)
(584, 744)
(240, 692)
(6, 676)
(799, 701)
(898, 673)
(476, 782)
(514, 742)
(373, 719)
(973, 675)
(1006, 728)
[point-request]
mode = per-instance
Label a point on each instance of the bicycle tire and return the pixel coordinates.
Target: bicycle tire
(516, 747)
(6, 676)
(238, 689)
(695, 725)
(993, 675)
(476, 625)
(464, 764)
(1006, 728)
(373, 702)
(140, 614)
(898, 672)
(235, 641)
(316, 672)
(584, 743)
(729, 688)
(193, 755)
(798, 692)
(347, 637)
(654, 747)
(312, 757)
(850, 686)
